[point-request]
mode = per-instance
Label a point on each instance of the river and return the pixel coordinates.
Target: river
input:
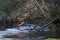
(26, 32)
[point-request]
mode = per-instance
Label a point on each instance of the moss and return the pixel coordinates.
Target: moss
(51, 39)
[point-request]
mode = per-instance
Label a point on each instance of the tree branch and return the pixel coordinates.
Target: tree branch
(41, 8)
(50, 22)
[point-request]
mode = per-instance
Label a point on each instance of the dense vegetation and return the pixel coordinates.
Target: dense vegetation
(41, 12)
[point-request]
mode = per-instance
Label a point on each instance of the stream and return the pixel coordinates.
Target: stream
(26, 32)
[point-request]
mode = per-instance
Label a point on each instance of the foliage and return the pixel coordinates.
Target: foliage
(41, 12)
(2, 14)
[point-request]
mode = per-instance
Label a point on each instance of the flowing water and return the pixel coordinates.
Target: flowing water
(26, 32)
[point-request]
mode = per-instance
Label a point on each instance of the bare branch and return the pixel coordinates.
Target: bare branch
(51, 21)
(40, 8)
(43, 1)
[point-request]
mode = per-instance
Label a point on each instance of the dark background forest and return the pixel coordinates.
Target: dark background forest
(42, 12)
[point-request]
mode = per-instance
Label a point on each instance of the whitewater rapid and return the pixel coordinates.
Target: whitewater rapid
(23, 29)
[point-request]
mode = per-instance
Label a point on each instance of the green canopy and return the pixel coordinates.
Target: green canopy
(2, 14)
